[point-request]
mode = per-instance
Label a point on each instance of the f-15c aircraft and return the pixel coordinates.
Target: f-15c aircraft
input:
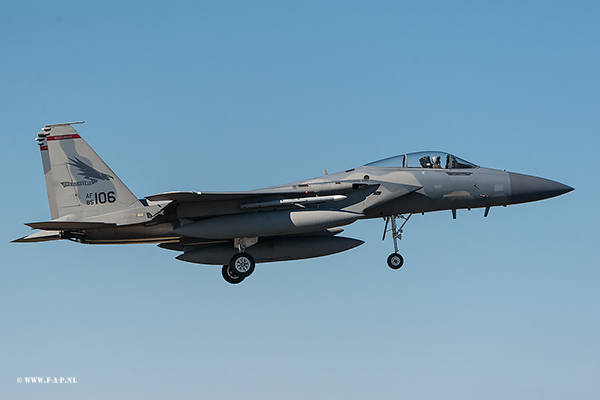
(89, 204)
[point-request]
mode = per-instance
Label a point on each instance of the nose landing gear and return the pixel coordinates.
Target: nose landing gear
(395, 260)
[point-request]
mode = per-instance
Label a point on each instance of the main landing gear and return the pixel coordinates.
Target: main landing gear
(395, 260)
(240, 266)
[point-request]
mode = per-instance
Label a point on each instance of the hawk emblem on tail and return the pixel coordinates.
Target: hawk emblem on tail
(88, 172)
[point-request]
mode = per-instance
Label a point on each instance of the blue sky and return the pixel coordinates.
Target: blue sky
(241, 95)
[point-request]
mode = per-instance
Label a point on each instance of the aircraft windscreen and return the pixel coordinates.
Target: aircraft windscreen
(460, 163)
(396, 162)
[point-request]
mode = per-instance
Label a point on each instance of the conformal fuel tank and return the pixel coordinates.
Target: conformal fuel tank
(272, 249)
(266, 223)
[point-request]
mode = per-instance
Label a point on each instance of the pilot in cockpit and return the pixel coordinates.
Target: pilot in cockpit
(425, 162)
(436, 162)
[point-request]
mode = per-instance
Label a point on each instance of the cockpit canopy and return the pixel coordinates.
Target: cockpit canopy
(424, 159)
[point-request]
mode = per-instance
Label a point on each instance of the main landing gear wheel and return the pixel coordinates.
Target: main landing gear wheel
(242, 265)
(395, 261)
(230, 277)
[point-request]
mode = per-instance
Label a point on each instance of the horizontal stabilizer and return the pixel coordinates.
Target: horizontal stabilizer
(42, 236)
(67, 225)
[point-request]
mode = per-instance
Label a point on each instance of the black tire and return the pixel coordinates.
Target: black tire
(229, 277)
(395, 261)
(242, 264)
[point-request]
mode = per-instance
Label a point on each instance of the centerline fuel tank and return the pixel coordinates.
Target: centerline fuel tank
(272, 249)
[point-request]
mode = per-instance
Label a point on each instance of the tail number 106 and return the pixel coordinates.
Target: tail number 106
(100, 198)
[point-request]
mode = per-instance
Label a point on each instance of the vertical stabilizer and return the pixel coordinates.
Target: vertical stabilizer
(79, 184)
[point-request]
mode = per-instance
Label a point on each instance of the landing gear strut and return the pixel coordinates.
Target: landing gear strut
(395, 260)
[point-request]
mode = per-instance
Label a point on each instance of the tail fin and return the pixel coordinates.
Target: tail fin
(79, 184)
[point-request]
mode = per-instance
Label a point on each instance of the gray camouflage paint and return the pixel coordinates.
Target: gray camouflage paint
(205, 226)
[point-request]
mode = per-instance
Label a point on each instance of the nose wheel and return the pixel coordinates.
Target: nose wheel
(395, 260)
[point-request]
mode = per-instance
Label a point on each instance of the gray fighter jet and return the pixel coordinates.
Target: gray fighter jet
(89, 204)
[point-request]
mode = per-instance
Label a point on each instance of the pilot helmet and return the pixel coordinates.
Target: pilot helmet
(435, 159)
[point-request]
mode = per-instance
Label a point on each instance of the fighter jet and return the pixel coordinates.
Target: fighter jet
(236, 230)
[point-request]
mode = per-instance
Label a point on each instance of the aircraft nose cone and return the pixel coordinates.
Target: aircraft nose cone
(526, 188)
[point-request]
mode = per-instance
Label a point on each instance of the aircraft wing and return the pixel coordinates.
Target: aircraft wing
(294, 191)
(194, 197)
